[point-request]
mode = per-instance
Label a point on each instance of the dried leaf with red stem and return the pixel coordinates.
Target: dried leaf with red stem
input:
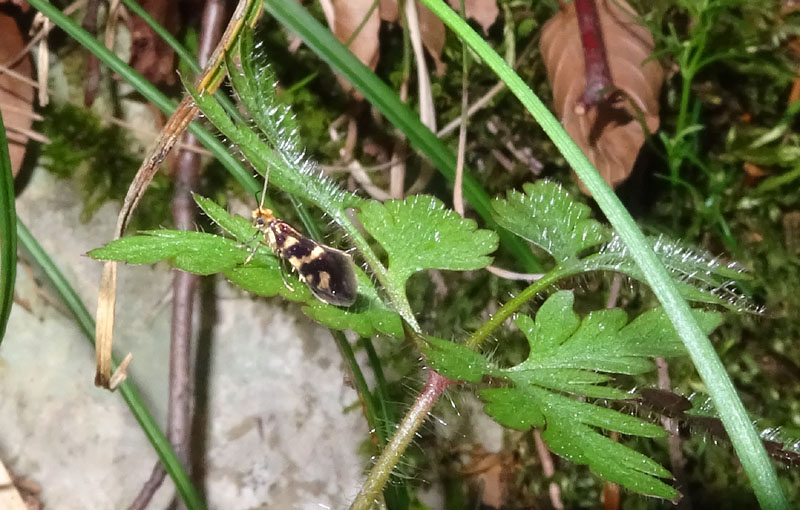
(610, 132)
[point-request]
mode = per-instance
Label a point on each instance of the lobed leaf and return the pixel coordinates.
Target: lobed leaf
(421, 233)
(205, 254)
(455, 361)
(547, 216)
(568, 432)
(278, 150)
(699, 276)
(609, 459)
(194, 252)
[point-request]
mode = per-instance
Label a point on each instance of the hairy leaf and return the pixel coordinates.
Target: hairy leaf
(240, 228)
(195, 252)
(547, 216)
(421, 233)
(205, 254)
(604, 341)
(456, 361)
(569, 355)
(700, 276)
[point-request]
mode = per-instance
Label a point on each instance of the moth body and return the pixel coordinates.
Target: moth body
(327, 272)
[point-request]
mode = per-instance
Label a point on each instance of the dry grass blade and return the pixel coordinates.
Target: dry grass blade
(208, 82)
(611, 132)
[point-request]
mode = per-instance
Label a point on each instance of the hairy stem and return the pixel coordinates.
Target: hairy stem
(505, 311)
(405, 433)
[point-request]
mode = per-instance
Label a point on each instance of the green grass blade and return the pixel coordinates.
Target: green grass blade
(322, 42)
(184, 54)
(8, 234)
(150, 92)
(129, 392)
(746, 442)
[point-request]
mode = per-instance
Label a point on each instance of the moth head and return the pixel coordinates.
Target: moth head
(262, 217)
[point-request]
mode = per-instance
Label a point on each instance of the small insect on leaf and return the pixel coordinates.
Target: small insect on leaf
(328, 272)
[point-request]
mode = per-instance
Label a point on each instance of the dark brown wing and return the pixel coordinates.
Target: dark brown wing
(331, 277)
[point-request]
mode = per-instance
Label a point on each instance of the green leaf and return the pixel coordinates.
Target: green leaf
(698, 275)
(573, 356)
(240, 228)
(455, 361)
(555, 322)
(8, 234)
(367, 316)
(547, 216)
(568, 432)
(194, 252)
(421, 233)
(609, 459)
(511, 408)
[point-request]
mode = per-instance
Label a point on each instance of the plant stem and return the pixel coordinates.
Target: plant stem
(405, 433)
(745, 441)
(513, 305)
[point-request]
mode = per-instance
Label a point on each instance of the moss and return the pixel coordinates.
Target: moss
(100, 161)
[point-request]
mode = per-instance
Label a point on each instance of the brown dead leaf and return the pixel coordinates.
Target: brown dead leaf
(16, 96)
(344, 18)
(389, 10)
(150, 55)
(431, 30)
(492, 474)
(485, 12)
(610, 133)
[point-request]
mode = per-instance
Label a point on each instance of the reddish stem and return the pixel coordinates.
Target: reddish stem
(598, 74)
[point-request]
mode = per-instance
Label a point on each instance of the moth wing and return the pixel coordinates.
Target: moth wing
(334, 280)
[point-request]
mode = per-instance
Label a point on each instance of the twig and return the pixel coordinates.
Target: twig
(548, 470)
(458, 192)
(184, 285)
(676, 458)
(92, 78)
(427, 112)
(150, 487)
(473, 108)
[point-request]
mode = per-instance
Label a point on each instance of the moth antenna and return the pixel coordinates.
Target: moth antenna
(264, 189)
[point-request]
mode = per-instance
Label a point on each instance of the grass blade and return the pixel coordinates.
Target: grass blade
(8, 234)
(129, 392)
(746, 442)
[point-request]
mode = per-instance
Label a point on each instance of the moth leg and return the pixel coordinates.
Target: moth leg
(251, 246)
(283, 275)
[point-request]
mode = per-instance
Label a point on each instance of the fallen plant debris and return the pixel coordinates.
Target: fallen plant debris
(610, 127)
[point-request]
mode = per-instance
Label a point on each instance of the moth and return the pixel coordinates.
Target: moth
(328, 272)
